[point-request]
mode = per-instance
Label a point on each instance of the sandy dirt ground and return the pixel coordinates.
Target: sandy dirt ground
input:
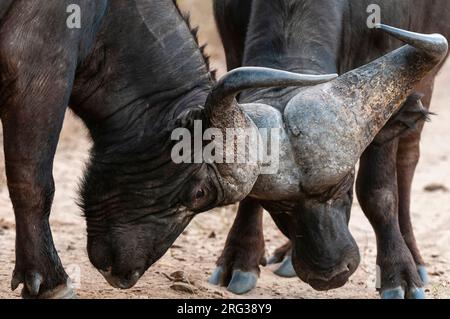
(194, 254)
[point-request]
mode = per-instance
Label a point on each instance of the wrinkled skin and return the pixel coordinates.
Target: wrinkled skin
(332, 40)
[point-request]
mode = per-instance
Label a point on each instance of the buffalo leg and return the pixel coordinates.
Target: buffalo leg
(283, 254)
(407, 158)
(39, 87)
(232, 17)
(238, 265)
(377, 191)
(30, 139)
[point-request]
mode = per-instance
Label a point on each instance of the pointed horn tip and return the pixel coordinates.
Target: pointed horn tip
(434, 44)
(393, 30)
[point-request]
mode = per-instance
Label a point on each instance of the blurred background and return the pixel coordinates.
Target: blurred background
(193, 256)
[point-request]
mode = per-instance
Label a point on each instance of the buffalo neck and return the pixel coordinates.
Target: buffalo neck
(145, 69)
(295, 35)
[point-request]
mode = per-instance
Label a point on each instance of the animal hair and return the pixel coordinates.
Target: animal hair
(194, 32)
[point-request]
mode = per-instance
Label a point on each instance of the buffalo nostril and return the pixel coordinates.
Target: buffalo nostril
(105, 273)
(338, 272)
(129, 281)
(342, 271)
(125, 282)
(346, 269)
(134, 277)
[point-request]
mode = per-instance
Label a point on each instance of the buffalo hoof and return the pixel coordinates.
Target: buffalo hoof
(216, 276)
(273, 260)
(280, 254)
(283, 255)
(286, 269)
(399, 293)
(416, 293)
(402, 279)
(396, 293)
(31, 290)
(240, 283)
(423, 274)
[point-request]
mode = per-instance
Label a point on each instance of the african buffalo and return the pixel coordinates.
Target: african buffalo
(328, 128)
(133, 72)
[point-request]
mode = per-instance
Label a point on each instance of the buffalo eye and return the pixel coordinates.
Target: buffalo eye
(200, 194)
(199, 197)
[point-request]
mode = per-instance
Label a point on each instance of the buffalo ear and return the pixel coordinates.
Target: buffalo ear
(187, 118)
(405, 121)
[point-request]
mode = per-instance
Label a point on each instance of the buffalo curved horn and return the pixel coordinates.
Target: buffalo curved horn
(221, 100)
(333, 123)
(433, 45)
(223, 112)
